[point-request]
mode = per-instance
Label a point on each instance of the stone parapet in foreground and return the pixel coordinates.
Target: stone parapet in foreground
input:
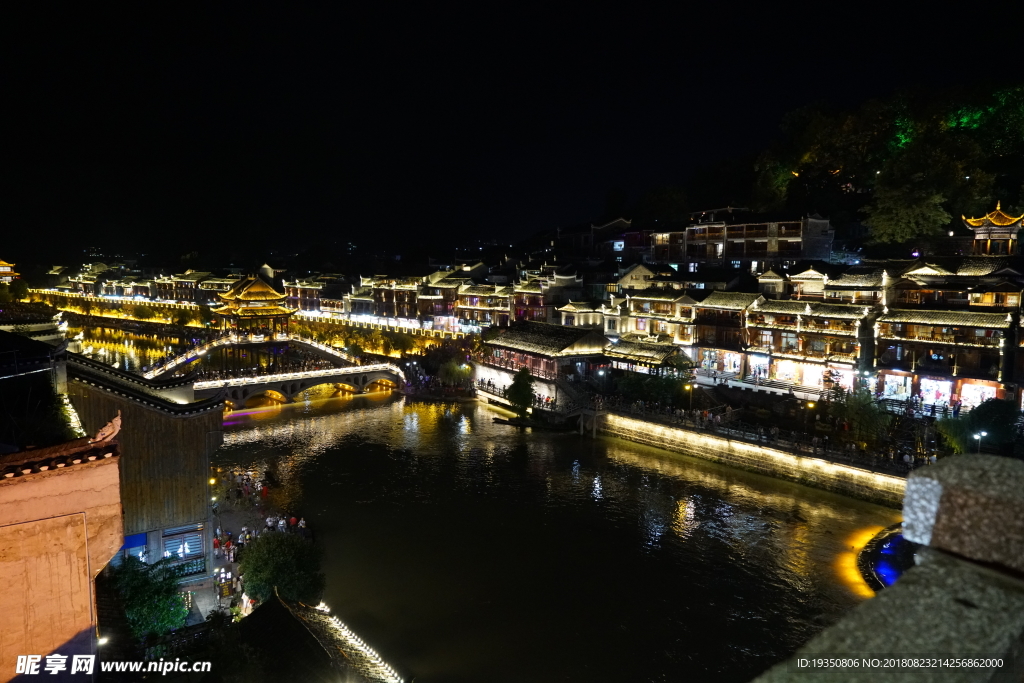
(963, 600)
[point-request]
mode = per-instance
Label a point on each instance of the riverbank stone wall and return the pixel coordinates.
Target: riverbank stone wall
(884, 489)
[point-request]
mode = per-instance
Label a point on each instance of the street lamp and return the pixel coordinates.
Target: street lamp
(978, 437)
(689, 387)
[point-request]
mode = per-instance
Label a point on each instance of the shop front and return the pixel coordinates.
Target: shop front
(898, 386)
(976, 391)
(935, 390)
(759, 365)
(841, 375)
(732, 362)
(796, 372)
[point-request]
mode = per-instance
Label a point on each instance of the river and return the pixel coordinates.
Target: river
(466, 551)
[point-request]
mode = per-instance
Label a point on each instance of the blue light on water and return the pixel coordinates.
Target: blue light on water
(887, 572)
(892, 559)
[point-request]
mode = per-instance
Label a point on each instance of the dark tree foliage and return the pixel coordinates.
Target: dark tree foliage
(149, 594)
(31, 413)
(520, 392)
(284, 561)
(1000, 420)
(19, 290)
(143, 312)
(948, 152)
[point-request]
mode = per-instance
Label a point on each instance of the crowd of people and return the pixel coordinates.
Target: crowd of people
(293, 360)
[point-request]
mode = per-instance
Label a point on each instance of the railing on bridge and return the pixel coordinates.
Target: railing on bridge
(201, 350)
(285, 376)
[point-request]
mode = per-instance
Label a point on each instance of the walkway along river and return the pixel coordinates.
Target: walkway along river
(467, 551)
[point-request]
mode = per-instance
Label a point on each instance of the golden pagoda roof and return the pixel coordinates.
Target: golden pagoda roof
(997, 218)
(251, 288)
(254, 311)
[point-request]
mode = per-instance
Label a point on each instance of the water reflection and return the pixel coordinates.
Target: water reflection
(128, 351)
(448, 537)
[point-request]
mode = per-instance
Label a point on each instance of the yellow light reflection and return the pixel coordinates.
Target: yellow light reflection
(846, 562)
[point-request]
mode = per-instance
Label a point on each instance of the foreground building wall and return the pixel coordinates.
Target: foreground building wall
(58, 529)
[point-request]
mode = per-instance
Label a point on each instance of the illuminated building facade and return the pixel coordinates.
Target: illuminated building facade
(7, 273)
(721, 334)
(547, 349)
(749, 246)
(943, 356)
(808, 344)
(995, 234)
(253, 307)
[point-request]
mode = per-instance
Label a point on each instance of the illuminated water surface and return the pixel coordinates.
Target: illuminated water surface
(465, 551)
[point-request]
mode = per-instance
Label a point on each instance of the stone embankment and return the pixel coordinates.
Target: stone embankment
(877, 487)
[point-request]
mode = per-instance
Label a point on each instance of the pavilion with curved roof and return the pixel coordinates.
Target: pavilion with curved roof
(251, 306)
(995, 234)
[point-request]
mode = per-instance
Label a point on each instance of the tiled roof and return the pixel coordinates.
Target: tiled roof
(658, 294)
(982, 266)
(532, 287)
(734, 301)
(849, 311)
(542, 338)
(21, 463)
(252, 289)
(639, 351)
(950, 318)
(809, 274)
(862, 281)
(789, 307)
(771, 275)
(578, 307)
(479, 290)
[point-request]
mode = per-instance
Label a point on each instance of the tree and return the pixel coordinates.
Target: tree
(520, 392)
(205, 314)
(19, 290)
(284, 561)
(5, 293)
(182, 317)
(149, 593)
(905, 213)
(868, 422)
(401, 342)
(143, 312)
(999, 419)
(454, 373)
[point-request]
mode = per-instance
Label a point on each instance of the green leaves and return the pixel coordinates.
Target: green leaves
(286, 561)
(149, 593)
(905, 213)
(996, 417)
(520, 392)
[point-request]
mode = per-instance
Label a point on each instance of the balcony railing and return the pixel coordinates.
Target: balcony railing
(959, 339)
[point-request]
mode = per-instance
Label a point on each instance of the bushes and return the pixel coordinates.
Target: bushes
(149, 593)
(286, 561)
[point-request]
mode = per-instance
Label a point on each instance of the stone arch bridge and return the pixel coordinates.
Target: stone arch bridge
(240, 389)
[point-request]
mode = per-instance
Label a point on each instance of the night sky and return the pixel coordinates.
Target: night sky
(384, 126)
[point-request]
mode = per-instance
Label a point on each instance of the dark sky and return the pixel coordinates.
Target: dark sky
(374, 123)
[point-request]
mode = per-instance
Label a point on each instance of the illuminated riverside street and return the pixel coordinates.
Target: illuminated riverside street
(462, 550)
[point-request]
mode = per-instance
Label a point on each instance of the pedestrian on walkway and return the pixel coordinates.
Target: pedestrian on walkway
(216, 547)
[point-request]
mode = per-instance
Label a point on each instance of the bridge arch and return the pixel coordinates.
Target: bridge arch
(288, 386)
